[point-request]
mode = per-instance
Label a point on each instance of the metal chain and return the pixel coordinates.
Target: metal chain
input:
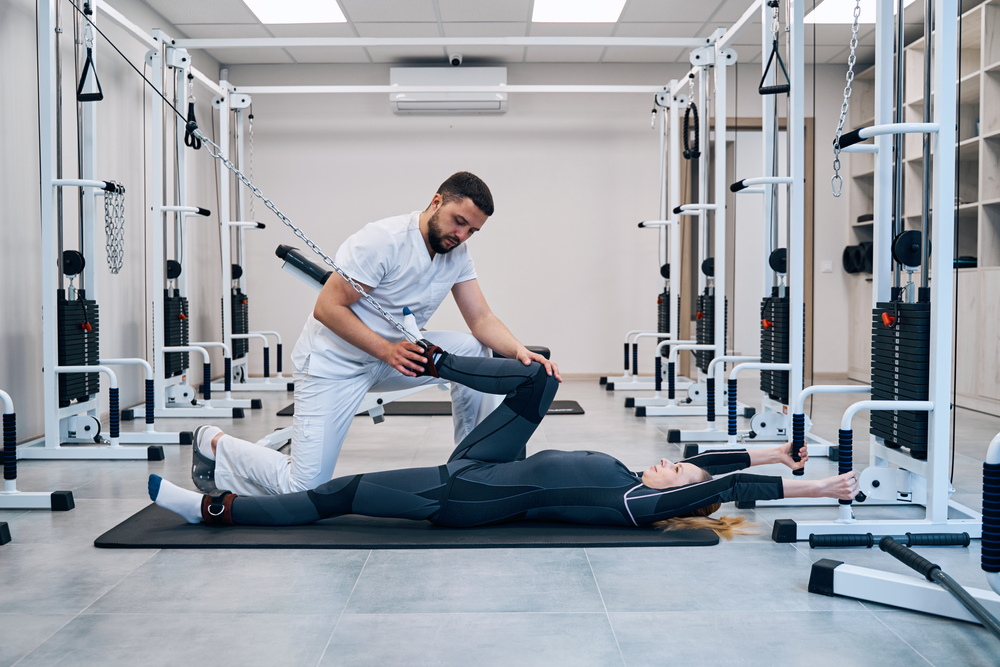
(837, 182)
(114, 226)
(250, 121)
(217, 154)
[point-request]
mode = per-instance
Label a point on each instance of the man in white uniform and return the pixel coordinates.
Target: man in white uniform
(347, 348)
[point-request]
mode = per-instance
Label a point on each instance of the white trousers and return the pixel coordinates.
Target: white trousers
(324, 410)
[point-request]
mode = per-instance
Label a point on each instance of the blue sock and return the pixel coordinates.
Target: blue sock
(154, 486)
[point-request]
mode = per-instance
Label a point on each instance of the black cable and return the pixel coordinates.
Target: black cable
(812, 291)
(954, 305)
(145, 261)
(94, 25)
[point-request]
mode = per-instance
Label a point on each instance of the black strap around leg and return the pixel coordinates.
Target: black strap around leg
(88, 66)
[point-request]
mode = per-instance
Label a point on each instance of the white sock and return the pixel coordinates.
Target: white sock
(204, 443)
(174, 498)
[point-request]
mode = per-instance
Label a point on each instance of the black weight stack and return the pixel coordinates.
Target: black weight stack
(175, 319)
(241, 323)
(78, 346)
(774, 327)
(663, 316)
(705, 328)
(901, 334)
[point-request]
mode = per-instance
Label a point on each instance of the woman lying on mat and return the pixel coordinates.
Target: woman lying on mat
(484, 482)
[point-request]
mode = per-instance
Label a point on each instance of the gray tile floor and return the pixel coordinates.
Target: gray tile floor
(744, 602)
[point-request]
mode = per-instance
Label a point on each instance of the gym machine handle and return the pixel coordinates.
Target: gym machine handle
(780, 89)
(203, 211)
(677, 210)
(294, 257)
(908, 557)
(737, 186)
(851, 138)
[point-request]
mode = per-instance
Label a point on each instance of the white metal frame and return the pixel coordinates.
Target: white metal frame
(930, 476)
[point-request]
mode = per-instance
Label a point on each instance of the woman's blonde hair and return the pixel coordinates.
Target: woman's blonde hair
(724, 526)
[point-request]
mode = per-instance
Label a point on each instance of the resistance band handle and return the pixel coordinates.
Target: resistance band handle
(833, 541)
(191, 138)
(9, 445)
(798, 439)
(907, 557)
(88, 66)
(991, 517)
(737, 186)
(851, 138)
(780, 89)
(938, 539)
(845, 458)
(691, 153)
(150, 402)
(203, 212)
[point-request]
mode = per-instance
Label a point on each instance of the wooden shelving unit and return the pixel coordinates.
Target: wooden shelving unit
(978, 205)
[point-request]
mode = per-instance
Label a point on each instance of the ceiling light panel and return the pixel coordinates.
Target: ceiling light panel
(577, 11)
(273, 12)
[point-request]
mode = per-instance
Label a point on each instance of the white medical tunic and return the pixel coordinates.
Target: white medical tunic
(391, 257)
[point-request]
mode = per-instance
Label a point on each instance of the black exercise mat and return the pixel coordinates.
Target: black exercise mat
(443, 409)
(157, 528)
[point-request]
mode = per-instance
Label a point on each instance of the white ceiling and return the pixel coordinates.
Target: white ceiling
(496, 18)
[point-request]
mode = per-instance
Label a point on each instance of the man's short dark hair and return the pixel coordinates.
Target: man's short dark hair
(463, 184)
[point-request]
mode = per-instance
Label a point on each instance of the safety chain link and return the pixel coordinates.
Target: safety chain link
(114, 226)
(837, 182)
(217, 154)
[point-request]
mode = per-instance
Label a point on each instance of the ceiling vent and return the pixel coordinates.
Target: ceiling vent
(448, 101)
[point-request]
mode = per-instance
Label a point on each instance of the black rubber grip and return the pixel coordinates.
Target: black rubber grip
(845, 454)
(260, 225)
(829, 541)
(150, 402)
(204, 211)
(206, 389)
(294, 257)
(737, 186)
(642, 225)
(9, 445)
(229, 374)
(671, 388)
(907, 557)
(732, 406)
(279, 359)
(626, 356)
(991, 517)
(851, 138)
(780, 89)
(658, 377)
(116, 414)
(710, 398)
(267, 362)
(798, 440)
(635, 358)
(937, 539)
(677, 210)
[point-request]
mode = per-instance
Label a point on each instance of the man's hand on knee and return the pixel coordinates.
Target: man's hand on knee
(526, 357)
(406, 357)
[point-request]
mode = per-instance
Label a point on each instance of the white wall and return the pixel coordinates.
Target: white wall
(561, 261)
(122, 150)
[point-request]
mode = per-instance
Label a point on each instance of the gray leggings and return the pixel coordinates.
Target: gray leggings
(422, 493)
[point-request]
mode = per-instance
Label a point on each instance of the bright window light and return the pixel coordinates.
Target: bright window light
(842, 11)
(296, 11)
(577, 11)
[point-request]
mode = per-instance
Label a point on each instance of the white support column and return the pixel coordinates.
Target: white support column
(703, 141)
(221, 105)
(673, 200)
(942, 235)
(796, 192)
(156, 220)
(721, 64)
(180, 247)
(768, 108)
(882, 228)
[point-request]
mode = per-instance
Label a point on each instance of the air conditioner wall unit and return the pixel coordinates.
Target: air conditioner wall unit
(450, 102)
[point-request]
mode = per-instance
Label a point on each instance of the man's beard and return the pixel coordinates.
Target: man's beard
(436, 237)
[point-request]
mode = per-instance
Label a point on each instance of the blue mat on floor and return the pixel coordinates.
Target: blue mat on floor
(157, 528)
